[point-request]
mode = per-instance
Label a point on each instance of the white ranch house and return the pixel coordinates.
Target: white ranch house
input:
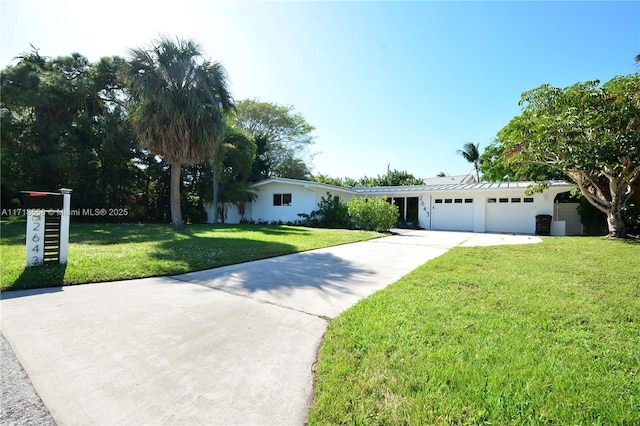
(479, 207)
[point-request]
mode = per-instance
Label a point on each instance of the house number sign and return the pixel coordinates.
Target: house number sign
(424, 207)
(35, 238)
(47, 226)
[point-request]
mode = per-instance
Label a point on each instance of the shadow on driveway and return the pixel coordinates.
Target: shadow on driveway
(316, 282)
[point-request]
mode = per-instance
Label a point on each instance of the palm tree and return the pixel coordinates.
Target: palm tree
(233, 162)
(471, 153)
(178, 104)
(238, 193)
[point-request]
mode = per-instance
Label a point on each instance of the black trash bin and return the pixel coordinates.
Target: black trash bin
(543, 224)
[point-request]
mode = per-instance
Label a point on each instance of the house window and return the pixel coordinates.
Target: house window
(515, 200)
(528, 200)
(504, 200)
(438, 200)
(281, 199)
(491, 200)
(458, 200)
(447, 200)
(468, 200)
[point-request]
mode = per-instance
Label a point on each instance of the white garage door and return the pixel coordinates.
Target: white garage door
(452, 214)
(510, 214)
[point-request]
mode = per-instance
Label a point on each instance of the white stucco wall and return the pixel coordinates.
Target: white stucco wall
(233, 216)
(424, 211)
(304, 199)
(516, 217)
(472, 212)
(479, 215)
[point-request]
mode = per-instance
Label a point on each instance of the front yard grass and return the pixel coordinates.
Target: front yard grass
(534, 334)
(106, 252)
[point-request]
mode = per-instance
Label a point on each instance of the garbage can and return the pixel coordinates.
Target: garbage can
(543, 224)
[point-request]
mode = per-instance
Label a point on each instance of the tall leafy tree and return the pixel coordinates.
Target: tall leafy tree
(292, 168)
(283, 138)
(589, 132)
(497, 167)
(471, 153)
(178, 105)
(41, 103)
(62, 126)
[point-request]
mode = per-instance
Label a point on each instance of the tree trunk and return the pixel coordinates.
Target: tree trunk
(174, 199)
(616, 225)
(216, 191)
(620, 193)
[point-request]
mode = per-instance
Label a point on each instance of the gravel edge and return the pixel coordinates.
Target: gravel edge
(20, 404)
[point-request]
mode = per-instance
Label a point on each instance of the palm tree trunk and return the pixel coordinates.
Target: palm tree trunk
(174, 198)
(216, 190)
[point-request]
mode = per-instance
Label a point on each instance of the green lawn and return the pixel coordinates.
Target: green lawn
(535, 334)
(108, 252)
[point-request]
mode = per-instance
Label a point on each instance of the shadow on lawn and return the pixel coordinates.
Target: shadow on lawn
(198, 248)
(47, 275)
(198, 252)
(109, 233)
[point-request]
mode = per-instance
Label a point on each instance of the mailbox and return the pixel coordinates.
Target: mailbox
(47, 225)
(36, 200)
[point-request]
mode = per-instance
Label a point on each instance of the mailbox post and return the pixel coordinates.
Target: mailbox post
(64, 225)
(47, 226)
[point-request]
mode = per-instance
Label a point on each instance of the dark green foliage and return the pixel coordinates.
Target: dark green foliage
(589, 132)
(64, 125)
(391, 178)
(373, 214)
(331, 213)
(262, 165)
(328, 180)
(497, 167)
(593, 220)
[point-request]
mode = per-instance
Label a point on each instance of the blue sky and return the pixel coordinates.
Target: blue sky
(404, 84)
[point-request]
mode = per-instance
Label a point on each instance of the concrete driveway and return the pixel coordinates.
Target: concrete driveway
(232, 345)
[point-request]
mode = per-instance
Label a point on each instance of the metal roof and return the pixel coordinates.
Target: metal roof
(457, 187)
(564, 186)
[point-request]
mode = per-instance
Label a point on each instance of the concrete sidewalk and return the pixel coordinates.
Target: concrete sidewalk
(232, 345)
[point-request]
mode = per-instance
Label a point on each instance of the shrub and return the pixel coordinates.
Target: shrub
(373, 214)
(331, 213)
(593, 220)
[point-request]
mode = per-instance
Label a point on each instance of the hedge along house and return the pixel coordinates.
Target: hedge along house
(478, 207)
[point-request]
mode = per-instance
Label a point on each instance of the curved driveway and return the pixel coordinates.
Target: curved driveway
(232, 345)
